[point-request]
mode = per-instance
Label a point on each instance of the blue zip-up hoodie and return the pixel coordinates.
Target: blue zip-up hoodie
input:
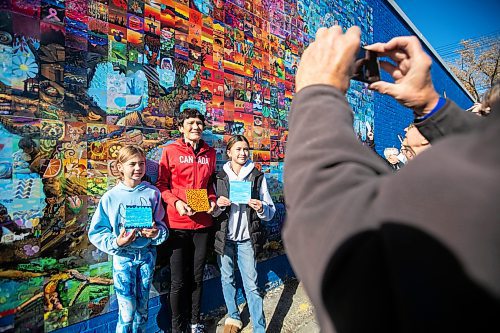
(109, 217)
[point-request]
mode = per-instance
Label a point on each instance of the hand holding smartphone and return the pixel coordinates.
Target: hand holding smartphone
(366, 66)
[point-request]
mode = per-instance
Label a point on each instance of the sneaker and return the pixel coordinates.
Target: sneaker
(197, 328)
(232, 325)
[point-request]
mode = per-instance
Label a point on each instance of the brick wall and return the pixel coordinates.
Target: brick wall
(390, 117)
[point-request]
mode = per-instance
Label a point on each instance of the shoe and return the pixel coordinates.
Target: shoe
(232, 325)
(197, 328)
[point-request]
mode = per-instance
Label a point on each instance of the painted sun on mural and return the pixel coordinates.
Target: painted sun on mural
(80, 79)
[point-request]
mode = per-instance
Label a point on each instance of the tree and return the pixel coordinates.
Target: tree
(477, 67)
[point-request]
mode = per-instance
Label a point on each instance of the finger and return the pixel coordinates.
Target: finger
(394, 71)
(353, 32)
(405, 66)
(382, 87)
(321, 33)
(353, 39)
(122, 232)
(377, 47)
(409, 44)
(335, 31)
(130, 235)
(396, 55)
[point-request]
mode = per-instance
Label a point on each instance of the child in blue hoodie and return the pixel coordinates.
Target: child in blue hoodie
(127, 224)
(240, 233)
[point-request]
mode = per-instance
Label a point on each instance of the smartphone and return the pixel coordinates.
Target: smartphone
(366, 66)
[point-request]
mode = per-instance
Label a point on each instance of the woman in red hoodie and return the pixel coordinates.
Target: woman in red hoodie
(188, 163)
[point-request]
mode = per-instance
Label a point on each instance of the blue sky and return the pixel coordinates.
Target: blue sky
(443, 22)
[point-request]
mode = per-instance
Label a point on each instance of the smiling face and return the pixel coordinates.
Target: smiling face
(132, 170)
(191, 129)
(239, 153)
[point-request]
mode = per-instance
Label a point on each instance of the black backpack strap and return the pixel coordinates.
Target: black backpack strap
(222, 184)
(256, 178)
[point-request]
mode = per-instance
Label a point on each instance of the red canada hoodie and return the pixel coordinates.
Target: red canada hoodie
(181, 169)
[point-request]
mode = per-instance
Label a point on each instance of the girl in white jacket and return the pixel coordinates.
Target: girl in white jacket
(243, 201)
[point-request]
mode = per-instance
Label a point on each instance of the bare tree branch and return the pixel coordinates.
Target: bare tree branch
(477, 66)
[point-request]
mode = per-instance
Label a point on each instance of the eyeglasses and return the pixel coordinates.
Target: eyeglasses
(407, 150)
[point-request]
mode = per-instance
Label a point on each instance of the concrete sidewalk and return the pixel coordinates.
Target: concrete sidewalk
(287, 309)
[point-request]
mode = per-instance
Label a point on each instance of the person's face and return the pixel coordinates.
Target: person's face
(393, 159)
(133, 170)
(415, 142)
(239, 153)
(191, 129)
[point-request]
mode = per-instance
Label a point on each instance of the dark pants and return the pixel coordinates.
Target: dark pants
(188, 250)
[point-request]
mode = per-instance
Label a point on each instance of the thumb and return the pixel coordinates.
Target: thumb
(383, 87)
(122, 232)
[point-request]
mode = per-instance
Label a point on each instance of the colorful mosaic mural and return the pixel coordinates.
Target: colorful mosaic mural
(79, 79)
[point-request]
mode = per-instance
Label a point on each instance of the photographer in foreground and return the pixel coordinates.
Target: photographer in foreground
(415, 251)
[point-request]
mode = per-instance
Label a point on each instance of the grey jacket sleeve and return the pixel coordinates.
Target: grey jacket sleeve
(450, 119)
(328, 183)
(339, 193)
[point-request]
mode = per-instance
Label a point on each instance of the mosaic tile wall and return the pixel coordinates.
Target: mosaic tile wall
(79, 79)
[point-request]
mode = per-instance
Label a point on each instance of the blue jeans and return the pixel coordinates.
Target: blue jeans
(132, 274)
(244, 254)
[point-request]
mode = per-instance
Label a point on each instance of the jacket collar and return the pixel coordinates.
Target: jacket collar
(203, 146)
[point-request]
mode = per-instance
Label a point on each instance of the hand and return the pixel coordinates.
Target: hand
(256, 205)
(223, 201)
(329, 59)
(183, 208)
(212, 207)
(125, 237)
(150, 232)
(412, 85)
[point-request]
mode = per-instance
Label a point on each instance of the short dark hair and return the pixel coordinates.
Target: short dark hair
(189, 113)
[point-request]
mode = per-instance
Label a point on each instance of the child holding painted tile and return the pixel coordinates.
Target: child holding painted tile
(127, 224)
(240, 234)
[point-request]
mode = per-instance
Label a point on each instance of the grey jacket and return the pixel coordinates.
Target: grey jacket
(416, 251)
